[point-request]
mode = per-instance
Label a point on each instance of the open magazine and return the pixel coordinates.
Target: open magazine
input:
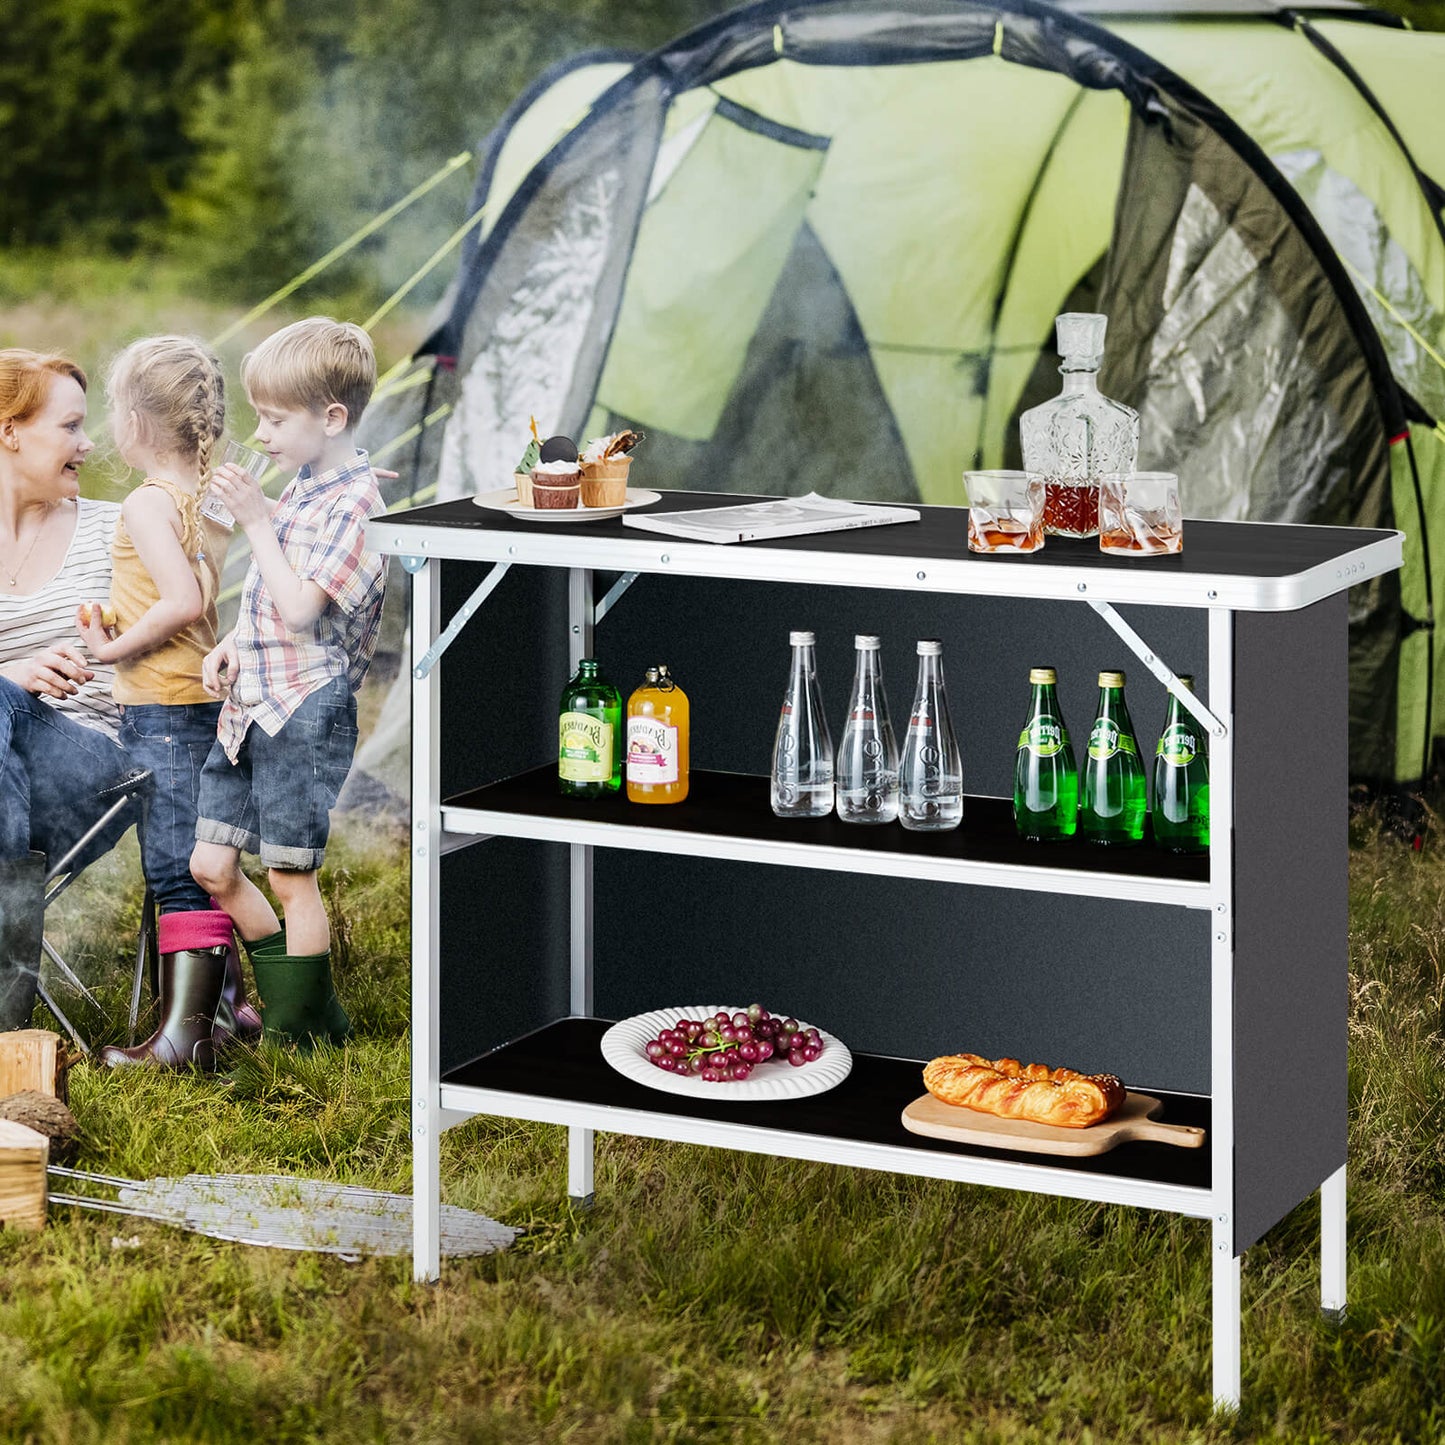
(757, 521)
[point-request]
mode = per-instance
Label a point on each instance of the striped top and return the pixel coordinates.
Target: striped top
(32, 622)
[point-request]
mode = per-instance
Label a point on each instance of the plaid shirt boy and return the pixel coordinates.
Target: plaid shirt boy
(320, 524)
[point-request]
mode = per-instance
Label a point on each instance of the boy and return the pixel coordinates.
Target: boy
(305, 634)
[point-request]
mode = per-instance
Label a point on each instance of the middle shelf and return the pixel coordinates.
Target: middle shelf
(727, 815)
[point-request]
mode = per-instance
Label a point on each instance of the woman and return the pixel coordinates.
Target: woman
(58, 725)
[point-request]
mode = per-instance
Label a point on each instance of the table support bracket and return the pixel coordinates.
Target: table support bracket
(1160, 669)
(433, 654)
(614, 596)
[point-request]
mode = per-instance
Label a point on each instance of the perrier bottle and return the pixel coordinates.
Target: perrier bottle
(1181, 782)
(589, 735)
(1116, 792)
(1046, 782)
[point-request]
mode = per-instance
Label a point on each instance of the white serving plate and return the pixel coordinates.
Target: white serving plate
(624, 1046)
(506, 501)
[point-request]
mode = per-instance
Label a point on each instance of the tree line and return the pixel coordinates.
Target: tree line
(247, 137)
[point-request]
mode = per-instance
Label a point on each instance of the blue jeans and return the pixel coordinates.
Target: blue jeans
(276, 798)
(173, 742)
(51, 768)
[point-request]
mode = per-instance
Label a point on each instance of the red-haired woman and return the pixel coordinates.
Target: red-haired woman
(58, 724)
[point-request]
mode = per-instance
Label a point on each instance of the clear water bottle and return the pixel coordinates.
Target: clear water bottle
(867, 766)
(802, 783)
(930, 774)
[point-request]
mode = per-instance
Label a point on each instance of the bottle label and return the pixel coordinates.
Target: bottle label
(584, 748)
(1044, 737)
(1178, 746)
(1105, 740)
(651, 751)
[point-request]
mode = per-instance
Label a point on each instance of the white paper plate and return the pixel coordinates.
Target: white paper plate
(624, 1046)
(506, 501)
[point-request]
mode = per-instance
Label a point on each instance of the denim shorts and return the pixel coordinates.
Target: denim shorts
(174, 743)
(276, 798)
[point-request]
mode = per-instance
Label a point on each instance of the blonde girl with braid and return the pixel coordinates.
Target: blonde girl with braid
(167, 398)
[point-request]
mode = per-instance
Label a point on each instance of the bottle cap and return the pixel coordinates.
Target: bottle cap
(1111, 679)
(1042, 674)
(866, 642)
(801, 639)
(662, 669)
(652, 674)
(1188, 680)
(930, 648)
(1081, 338)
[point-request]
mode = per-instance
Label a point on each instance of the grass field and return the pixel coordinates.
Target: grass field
(707, 1296)
(711, 1296)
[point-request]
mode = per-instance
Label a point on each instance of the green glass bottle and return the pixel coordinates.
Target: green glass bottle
(589, 731)
(1046, 781)
(1181, 781)
(1116, 792)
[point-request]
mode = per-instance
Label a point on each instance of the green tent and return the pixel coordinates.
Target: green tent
(821, 246)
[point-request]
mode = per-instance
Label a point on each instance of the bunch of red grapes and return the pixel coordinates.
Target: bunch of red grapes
(726, 1048)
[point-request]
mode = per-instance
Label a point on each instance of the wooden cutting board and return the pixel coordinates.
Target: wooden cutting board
(1132, 1121)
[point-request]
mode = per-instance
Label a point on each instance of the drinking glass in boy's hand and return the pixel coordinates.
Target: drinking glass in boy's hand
(240, 493)
(250, 461)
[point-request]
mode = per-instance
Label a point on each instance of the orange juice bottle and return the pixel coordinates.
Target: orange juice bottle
(657, 740)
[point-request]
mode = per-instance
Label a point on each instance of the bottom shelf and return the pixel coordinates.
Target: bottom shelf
(558, 1075)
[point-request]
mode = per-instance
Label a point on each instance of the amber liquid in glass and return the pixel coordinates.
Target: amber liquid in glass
(1002, 533)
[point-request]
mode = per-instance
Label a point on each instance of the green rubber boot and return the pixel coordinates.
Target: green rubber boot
(298, 999)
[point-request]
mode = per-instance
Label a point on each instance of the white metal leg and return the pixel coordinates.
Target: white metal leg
(579, 1141)
(1332, 1243)
(580, 620)
(426, 843)
(1221, 1009)
(1226, 1323)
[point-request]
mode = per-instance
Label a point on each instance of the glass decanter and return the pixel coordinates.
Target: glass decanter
(1073, 439)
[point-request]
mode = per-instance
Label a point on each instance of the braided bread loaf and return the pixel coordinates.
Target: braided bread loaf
(1024, 1091)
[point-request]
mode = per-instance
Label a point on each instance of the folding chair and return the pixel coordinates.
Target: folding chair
(132, 792)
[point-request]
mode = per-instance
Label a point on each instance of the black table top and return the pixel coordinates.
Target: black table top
(1252, 553)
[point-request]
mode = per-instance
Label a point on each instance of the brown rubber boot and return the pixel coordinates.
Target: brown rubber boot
(191, 985)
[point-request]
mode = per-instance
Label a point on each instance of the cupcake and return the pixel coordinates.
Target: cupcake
(604, 484)
(605, 461)
(555, 485)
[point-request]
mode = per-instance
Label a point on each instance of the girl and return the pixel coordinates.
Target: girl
(168, 409)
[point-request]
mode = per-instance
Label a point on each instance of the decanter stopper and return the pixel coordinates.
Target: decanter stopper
(1081, 340)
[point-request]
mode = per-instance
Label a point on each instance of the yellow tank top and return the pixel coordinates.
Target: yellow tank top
(171, 673)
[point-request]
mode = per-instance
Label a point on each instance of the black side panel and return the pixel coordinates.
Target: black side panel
(1291, 883)
(504, 902)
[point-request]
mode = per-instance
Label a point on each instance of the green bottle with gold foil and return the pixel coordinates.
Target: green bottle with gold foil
(589, 735)
(1181, 782)
(1116, 790)
(1046, 782)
